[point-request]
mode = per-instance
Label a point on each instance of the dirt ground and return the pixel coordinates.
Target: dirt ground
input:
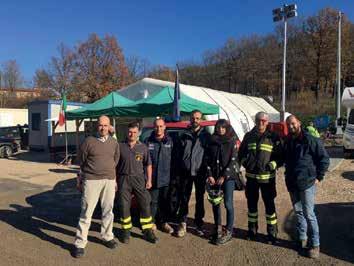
(39, 210)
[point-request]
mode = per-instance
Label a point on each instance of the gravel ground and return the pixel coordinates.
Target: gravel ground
(39, 207)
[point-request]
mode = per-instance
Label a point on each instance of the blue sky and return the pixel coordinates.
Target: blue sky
(164, 32)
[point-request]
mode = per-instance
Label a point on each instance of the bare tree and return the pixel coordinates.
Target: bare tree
(12, 76)
(138, 67)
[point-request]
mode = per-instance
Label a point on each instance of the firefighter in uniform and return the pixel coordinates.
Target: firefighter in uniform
(259, 153)
(132, 167)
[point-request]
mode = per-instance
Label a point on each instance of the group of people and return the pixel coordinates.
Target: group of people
(209, 162)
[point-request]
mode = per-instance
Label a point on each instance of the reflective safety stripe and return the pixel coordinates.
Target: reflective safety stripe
(252, 146)
(146, 226)
(272, 222)
(127, 226)
(264, 177)
(253, 217)
(146, 220)
(271, 216)
(266, 147)
(253, 214)
(126, 220)
(273, 164)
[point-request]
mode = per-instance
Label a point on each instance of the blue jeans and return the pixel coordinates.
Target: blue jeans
(304, 205)
(228, 188)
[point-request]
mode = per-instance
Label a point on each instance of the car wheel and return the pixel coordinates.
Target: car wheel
(7, 151)
(1, 152)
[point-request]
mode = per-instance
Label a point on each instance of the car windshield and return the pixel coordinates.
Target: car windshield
(9, 132)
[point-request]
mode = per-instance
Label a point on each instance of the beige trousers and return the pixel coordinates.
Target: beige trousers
(94, 190)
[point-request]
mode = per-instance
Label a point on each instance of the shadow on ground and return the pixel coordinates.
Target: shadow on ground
(336, 222)
(48, 211)
(348, 175)
(64, 171)
(32, 156)
(335, 152)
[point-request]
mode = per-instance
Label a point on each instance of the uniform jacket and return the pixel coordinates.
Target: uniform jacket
(161, 154)
(260, 155)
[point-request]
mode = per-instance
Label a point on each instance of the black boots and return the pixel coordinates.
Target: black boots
(150, 236)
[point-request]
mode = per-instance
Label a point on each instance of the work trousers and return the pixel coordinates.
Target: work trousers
(94, 190)
(269, 194)
(127, 186)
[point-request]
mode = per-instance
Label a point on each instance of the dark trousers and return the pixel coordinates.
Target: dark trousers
(186, 187)
(128, 185)
(160, 207)
(269, 193)
(228, 189)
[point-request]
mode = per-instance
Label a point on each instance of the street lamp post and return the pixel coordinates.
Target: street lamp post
(339, 129)
(284, 13)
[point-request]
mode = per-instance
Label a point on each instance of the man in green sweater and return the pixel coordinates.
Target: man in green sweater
(98, 159)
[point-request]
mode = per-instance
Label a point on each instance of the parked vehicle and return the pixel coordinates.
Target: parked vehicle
(12, 139)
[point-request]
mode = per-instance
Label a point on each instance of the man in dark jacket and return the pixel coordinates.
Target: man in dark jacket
(306, 162)
(160, 147)
(193, 144)
(260, 153)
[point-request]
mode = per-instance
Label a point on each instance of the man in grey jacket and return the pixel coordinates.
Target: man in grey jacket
(97, 181)
(193, 144)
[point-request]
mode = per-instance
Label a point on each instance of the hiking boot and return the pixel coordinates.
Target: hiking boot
(166, 228)
(149, 236)
(314, 253)
(78, 252)
(252, 235)
(199, 230)
(302, 244)
(125, 236)
(272, 239)
(182, 230)
(217, 233)
(224, 238)
(110, 244)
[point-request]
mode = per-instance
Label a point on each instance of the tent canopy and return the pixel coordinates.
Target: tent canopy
(239, 109)
(113, 104)
(161, 103)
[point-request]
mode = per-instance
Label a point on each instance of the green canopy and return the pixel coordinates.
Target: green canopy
(113, 104)
(161, 103)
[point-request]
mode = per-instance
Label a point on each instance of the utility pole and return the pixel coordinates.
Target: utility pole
(339, 129)
(284, 13)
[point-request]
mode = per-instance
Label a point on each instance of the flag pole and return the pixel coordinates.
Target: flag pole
(66, 145)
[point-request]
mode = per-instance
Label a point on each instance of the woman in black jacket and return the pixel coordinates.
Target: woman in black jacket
(222, 168)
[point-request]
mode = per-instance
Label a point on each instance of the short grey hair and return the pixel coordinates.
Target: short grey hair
(262, 114)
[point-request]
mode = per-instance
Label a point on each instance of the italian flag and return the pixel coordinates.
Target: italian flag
(62, 110)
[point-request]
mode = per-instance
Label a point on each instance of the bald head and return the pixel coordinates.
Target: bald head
(104, 125)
